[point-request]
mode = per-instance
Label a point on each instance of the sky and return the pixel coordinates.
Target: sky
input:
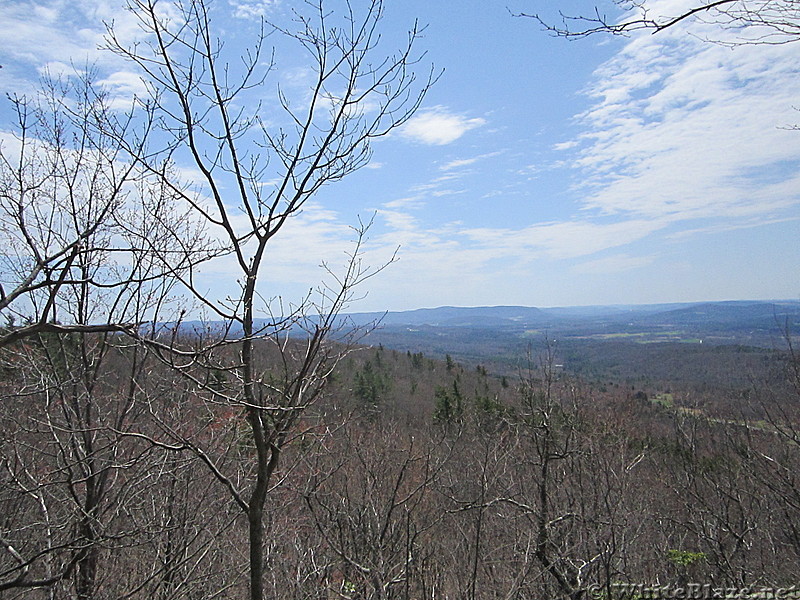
(538, 171)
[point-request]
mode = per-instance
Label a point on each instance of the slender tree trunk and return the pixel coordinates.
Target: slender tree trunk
(89, 557)
(87, 564)
(268, 457)
(255, 519)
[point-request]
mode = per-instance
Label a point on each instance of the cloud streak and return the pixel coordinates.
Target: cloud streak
(683, 129)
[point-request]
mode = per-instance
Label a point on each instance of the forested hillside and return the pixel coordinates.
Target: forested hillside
(408, 478)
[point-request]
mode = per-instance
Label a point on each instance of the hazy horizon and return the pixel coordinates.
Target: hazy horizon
(619, 304)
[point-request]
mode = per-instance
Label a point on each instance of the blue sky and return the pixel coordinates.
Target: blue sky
(538, 171)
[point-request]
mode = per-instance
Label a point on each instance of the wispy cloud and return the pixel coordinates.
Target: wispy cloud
(123, 87)
(565, 145)
(440, 193)
(728, 225)
(252, 9)
(563, 240)
(451, 263)
(466, 162)
(457, 164)
(409, 202)
(683, 129)
(64, 39)
(295, 254)
(54, 31)
(438, 126)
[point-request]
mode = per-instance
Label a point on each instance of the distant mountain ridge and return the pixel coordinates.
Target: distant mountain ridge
(729, 313)
(454, 316)
(761, 313)
(758, 323)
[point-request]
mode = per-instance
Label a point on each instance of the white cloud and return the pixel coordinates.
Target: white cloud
(294, 255)
(125, 83)
(57, 69)
(67, 32)
(455, 264)
(252, 9)
(464, 162)
(65, 39)
(565, 145)
(683, 129)
(409, 202)
(725, 226)
(456, 164)
(399, 221)
(123, 87)
(438, 126)
(563, 240)
(440, 193)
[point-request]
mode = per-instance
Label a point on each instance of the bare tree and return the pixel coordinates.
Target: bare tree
(772, 21)
(371, 504)
(78, 220)
(255, 176)
(88, 263)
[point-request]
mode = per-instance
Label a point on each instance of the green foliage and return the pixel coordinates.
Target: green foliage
(684, 558)
(486, 406)
(666, 400)
(333, 377)
(449, 404)
(62, 352)
(216, 379)
(348, 587)
(370, 384)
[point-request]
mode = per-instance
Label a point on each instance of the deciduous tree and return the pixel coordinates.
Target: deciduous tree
(256, 172)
